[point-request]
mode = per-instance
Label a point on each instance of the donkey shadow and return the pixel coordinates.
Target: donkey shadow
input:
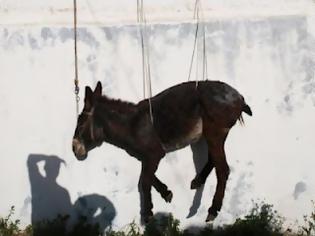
(200, 158)
(51, 202)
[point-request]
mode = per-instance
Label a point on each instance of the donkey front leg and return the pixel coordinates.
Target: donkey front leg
(149, 167)
(166, 194)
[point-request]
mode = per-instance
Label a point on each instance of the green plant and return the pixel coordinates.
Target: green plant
(261, 221)
(309, 224)
(83, 228)
(57, 226)
(28, 231)
(163, 225)
(8, 227)
(132, 230)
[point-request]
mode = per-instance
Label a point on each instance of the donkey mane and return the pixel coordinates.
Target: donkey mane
(117, 105)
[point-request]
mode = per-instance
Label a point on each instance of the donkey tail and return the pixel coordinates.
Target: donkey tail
(247, 110)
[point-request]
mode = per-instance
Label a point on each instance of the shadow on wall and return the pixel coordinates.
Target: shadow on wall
(50, 200)
(200, 158)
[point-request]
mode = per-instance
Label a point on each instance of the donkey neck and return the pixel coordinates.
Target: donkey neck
(115, 117)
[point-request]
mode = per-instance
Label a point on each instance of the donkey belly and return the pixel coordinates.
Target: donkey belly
(178, 142)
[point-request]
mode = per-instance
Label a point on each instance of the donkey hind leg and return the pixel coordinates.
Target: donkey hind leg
(202, 161)
(165, 193)
(216, 150)
(201, 177)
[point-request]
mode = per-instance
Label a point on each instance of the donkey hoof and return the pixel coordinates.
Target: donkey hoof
(210, 218)
(168, 198)
(147, 218)
(196, 183)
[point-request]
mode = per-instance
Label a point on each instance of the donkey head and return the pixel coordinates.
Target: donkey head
(88, 133)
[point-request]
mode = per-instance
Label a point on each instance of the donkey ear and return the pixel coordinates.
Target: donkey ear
(88, 99)
(98, 89)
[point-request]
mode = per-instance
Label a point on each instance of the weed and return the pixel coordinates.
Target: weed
(262, 220)
(309, 224)
(8, 227)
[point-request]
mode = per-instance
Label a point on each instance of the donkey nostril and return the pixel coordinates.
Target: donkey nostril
(78, 148)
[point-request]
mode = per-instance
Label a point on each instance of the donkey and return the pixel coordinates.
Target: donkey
(182, 115)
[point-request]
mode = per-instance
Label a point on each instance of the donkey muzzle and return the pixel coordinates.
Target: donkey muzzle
(79, 150)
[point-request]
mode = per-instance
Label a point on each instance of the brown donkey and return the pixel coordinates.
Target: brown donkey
(181, 115)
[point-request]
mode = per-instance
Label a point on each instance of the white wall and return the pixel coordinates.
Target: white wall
(98, 12)
(268, 57)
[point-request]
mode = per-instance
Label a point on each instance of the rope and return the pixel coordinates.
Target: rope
(197, 45)
(76, 77)
(193, 54)
(146, 68)
(205, 59)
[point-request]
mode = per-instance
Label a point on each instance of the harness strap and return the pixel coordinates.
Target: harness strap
(92, 127)
(89, 122)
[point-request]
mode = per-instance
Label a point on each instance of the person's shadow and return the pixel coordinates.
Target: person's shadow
(51, 202)
(96, 209)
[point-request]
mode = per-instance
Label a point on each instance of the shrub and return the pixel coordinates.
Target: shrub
(59, 227)
(309, 224)
(8, 227)
(53, 227)
(163, 225)
(132, 230)
(262, 220)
